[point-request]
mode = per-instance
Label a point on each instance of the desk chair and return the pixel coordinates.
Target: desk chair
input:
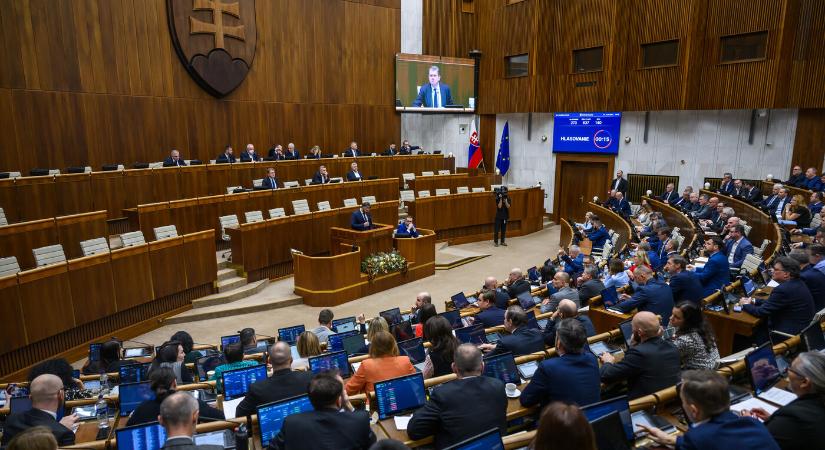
(254, 216)
(478, 189)
(336, 180)
(462, 190)
(231, 189)
(750, 264)
(277, 212)
(348, 202)
(9, 266)
(258, 183)
(94, 246)
(422, 194)
(324, 206)
(444, 172)
(407, 196)
(133, 238)
(3, 220)
(52, 254)
(300, 207)
(407, 177)
(307, 181)
(440, 192)
(427, 174)
(227, 222)
(759, 251)
(166, 232)
(368, 198)
(291, 184)
(747, 229)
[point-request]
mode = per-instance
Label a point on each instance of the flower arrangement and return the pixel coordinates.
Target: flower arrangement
(381, 263)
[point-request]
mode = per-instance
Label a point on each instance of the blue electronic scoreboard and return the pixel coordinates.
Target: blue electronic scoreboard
(593, 132)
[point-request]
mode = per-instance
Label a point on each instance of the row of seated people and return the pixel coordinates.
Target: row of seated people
(322, 176)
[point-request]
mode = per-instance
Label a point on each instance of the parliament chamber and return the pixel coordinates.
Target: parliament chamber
(386, 224)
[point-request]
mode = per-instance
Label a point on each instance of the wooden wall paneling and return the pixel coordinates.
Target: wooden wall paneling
(807, 60)
(74, 193)
(46, 299)
(151, 216)
(808, 150)
(446, 30)
(219, 177)
(184, 214)
(109, 192)
(36, 197)
(210, 209)
(8, 199)
(13, 331)
(71, 230)
(166, 184)
(9, 158)
(92, 288)
(131, 270)
(138, 185)
(165, 256)
(201, 264)
(20, 238)
(246, 245)
(193, 181)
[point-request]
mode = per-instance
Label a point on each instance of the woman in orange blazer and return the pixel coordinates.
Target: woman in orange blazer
(383, 363)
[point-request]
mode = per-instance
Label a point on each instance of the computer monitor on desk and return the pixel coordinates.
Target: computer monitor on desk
(271, 416)
(236, 382)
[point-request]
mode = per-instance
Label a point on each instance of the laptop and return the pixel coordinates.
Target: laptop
(762, 368)
(392, 316)
(460, 300)
(649, 420)
(271, 416)
(610, 432)
(535, 323)
(503, 367)
(489, 440)
(290, 334)
(20, 404)
(599, 347)
(344, 325)
(221, 438)
(609, 297)
(474, 334)
(748, 286)
(402, 330)
(327, 361)
(414, 349)
(352, 344)
(813, 338)
(626, 328)
(229, 340)
(236, 382)
(527, 369)
(207, 364)
(335, 341)
(137, 352)
(534, 276)
(133, 373)
(148, 436)
(619, 405)
(94, 351)
(400, 395)
(525, 300)
(453, 317)
(131, 395)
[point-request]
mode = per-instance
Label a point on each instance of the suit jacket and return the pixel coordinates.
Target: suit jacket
(798, 425)
(648, 367)
(425, 96)
(564, 293)
(789, 308)
(570, 378)
(320, 179)
(670, 197)
(573, 266)
(149, 410)
(715, 273)
(451, 418)
(282, 384)
(493, 317)
(313, 156)
(815, 208)
(524, 340)
(358, 218)
(182, 443)
(270, 183)
(815, 280)
(623, 208)
(352, 176)
(686, 286)
(753, 195)
(352, 154)
(703, 212)
(726, 431)
(169, 162)
(622, 187)
(390, 152)
(18, 423)
(744, 249)
(550, 330)
(502, 298)
(294, 155)
(779, 205)
(598, 237)
(588, 290)
(726, 187)
(812, 184)
(223, 158)
(795, 180)
(655, 296)
(518, 287)
(407, 150)
(326, 429)
(246, 157)
(680, 202)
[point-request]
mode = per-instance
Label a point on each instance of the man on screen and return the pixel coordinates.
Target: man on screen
(435, 94)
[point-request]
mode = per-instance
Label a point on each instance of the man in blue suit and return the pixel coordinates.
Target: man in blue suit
(407, 227)
(490, 315)
(815, 204)
(354, 174)
(652, 295)
(737, 246)
(250, 155)
(670, 196)
(434, 94)
(726, 186)
(622, 206)
(522, 339)
(361, 218)
(814, 279)
(574, 263)
(270, 182)
(811, 180)
(291, 153)
(567, 310)
(597, 234)
(174, 160)
(771, 199)
(226, 156)
(684, 284)
(789, 308)
(716, 272)
(573, 377)
(352, 151)
(778, 206)
(706, 402)
(321, 176)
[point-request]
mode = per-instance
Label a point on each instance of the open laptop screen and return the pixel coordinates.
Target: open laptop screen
(533, 274)
(228, 340)
(619, 404)
(327, 361)
(610, 432)
(94, 351)
(207, 364)
(133, 373)
(454, 317)
(503, 367)
(344, 324)
(762, 368)
(399, 395)
(414, 348)
(402, 330)
(336, 341)
(489, 440)
(460, 300)
(352, 344)
(150, 436)
(392, 316)
(474, 334)
(271, 416)
(627, 331)
(813, 337)
(131, 395)
(609, 297)
(236, 382)
(290, 334)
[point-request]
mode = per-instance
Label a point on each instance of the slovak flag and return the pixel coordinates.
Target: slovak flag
(475, 157)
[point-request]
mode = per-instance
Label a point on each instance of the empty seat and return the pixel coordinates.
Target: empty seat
(422, 194)
(307, 181)
(750, 264)
(324, 206)
(336, 180)
(254, 216)
(407, 177)
(52, 254)
(443, 172)
(368, 198)
(277, 212)
(494, 186)
(9, 266)
(231, 189)
(462, 190)
(3, 220)
(759, 251)
(427, 174)
(478, 189)
(132, 238)
(156, 165)
(407, 196)
(440, 192)
(300, 207)
(258, 183)
(350, 202)
(166, 232)
(230, 221)
(94, 246)
(291, 184)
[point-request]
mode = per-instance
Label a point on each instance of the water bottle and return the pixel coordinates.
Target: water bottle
(104, 383)
(102, 412)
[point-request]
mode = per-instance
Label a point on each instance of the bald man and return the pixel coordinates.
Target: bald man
(649, 365)
(516, 284)
(283, 383)
(502, 297)
(47, 398)
(174, 159)
(567, 310)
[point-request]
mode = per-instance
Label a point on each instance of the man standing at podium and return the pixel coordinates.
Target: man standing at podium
(361, 218)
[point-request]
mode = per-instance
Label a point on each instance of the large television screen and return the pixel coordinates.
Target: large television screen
(587, 132)
(434, 84)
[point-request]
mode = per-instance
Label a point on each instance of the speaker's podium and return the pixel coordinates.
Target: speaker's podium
(336, 279)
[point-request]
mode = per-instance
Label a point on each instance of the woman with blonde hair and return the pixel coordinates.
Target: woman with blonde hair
(307, 345)
(383, 363)
(797, 211)
(370, 329)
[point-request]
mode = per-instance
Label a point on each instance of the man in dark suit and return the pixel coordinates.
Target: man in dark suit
(670, 196)
(276, 153)
(434, 94)
(174, 159)
(751, 193)
(407, 149)
(516, 284)
(619, 184)
(650, 365)
(622, 206)
(737, 246)
(572, 377)
(726, 185)
(270, 182)
(250, 155)
(813, 278)
(226, 157)
(738, 189)
(352, 151)
(47, 397)
(598, 233)
(815, 204)
(321, 176)
(502, 297)
(390, 151)
(705, 208)
(291, 153)
(561, 284)
(770, 200)
(652, 295)
(684, 200)
(778, 206)
(449, 416)
(361, 218)
(789, 308)
(284, 383)
(590, 286)
(716, 272)
(179, 416)
(684, 284)
(797, 176)
(490, 315)
(522, 339)
(333, 425)
(567, 310)
(354, 174)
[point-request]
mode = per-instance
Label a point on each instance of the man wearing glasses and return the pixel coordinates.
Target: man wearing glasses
(48, 401)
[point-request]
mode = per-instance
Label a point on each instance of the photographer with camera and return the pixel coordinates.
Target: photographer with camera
(502, 214)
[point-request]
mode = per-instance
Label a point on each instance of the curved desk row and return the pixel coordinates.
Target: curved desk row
(675, 219)
(451, 182)
(762, 227)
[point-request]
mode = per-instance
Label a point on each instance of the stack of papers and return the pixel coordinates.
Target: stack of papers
(751, 403)
(401, 422)
(778, 396)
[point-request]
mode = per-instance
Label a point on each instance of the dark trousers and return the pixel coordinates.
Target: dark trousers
(500, 224)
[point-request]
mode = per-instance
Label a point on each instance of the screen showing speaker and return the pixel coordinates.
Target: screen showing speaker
(434, 84)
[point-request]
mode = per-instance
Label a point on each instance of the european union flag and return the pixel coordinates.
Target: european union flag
(503, 158)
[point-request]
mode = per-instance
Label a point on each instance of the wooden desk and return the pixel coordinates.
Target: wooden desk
(726, 326)
(453, 181)
(615, 222)
(675, 218)
(604, 320)
(379, 239)
(761, 225)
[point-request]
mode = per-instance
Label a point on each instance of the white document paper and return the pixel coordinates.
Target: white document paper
(229, 407)
(778, 396)
(753, 403)
(401, 422)
(773, 284)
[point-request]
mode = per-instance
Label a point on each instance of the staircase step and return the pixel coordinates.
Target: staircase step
(244, 306)
(227, 273)
(230, 296)
(231, 283)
